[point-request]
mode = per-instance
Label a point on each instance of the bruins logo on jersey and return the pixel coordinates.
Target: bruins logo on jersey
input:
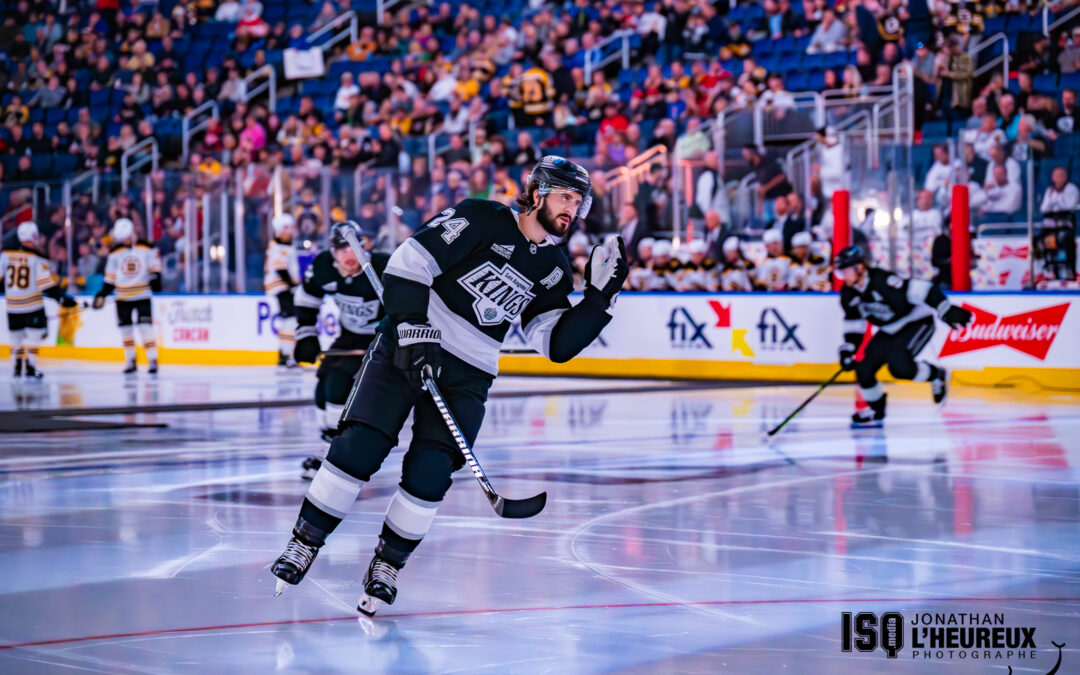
(131, 265)
(501, 293)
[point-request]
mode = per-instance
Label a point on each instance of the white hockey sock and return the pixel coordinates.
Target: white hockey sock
(872, 394)
(333, 490)
(17, 338)
(410, 517)
(31, 340)
(287, 336)
(332, 415)
(149, 341)
(128, 335)
(924, 372)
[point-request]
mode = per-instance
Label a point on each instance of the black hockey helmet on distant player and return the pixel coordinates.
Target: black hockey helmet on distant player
(337, 233)
(850, 256)
(553, 171)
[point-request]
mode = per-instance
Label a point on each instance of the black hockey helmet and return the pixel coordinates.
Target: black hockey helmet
(850, 256)
(337, 233)
(553, 172)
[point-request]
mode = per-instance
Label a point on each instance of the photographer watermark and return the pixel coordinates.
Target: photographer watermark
(941, 636)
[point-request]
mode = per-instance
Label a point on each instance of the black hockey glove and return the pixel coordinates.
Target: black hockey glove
(847, 356)
(306, 349)
(957, 317)
(606, 271)
(418, 345)
(68, 302)
(99, 301)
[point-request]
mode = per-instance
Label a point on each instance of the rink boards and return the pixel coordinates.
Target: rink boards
(789, 336)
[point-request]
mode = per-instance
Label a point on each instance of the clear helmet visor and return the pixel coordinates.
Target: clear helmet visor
(583, 208)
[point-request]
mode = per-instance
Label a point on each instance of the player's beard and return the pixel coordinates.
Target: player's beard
(552, 223)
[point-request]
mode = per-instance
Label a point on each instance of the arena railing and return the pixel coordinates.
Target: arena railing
(999, 60)
(347, 22)
(189, 127)
(596, 59)
(267, 86)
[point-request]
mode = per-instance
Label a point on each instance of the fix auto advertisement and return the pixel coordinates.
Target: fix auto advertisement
(1033, 330)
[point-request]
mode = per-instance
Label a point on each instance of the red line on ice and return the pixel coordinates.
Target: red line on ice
(459, 612)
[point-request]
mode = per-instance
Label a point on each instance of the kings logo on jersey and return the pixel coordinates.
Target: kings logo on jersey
(501, 293)
(356, 313)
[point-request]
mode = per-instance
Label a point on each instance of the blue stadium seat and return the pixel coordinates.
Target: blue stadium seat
(1046, 83)
(99, 99)
(935, 131)
(41, 165)
(64, 165)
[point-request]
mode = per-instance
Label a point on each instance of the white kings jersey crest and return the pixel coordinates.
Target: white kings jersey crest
(501, 293)
(357, 315)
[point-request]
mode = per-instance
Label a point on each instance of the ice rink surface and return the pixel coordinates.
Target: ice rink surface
(675, 540)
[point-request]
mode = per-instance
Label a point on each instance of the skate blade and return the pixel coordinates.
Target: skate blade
(368, 605)
(281, 586)
(308, 475)
(867, 425)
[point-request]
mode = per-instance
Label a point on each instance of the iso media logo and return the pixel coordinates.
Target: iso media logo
(686, 332)
(866, 632)
(942, 636)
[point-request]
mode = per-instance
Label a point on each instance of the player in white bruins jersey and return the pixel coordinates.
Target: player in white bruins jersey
(282, 275)
(27, 276)
(133, 271)
(809, 272)
(772, 273)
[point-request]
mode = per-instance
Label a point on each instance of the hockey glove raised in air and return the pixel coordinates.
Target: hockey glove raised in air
(606, 271)
(418, 345)
(956, 317)
(847, 356)
(307, 345)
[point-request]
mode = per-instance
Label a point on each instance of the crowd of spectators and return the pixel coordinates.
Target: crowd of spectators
(498, 85)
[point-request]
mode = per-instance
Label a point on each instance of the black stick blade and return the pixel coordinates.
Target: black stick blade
(520, 508)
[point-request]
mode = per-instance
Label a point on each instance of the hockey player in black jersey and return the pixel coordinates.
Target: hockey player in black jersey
(903, 311)
(451, 292)
(336, 274)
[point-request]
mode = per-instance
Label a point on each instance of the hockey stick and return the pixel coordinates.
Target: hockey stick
(506, 508)
(805, 403)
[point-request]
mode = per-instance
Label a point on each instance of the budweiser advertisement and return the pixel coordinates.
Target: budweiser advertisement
(1032, 333)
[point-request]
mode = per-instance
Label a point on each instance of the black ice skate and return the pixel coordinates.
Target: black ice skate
(153, 368)
(870, 417)
(380, 585)
(329, 433)
(940, 386)
(130, 369)
(286, 362)
(33, 373)
(18, 367)
(310, 468)
(293, 564)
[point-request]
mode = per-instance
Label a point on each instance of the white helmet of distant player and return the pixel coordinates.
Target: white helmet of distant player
(28, 232)
(282, 222)
(123, 230)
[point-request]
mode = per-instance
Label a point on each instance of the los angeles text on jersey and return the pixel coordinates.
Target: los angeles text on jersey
(939, 636)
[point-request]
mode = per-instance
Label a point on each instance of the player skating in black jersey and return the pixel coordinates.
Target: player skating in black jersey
(451, 292)
(903, 311)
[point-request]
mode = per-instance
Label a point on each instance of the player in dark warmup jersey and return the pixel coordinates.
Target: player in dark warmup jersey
(336, 274)
(451, 292)
(903, 310)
